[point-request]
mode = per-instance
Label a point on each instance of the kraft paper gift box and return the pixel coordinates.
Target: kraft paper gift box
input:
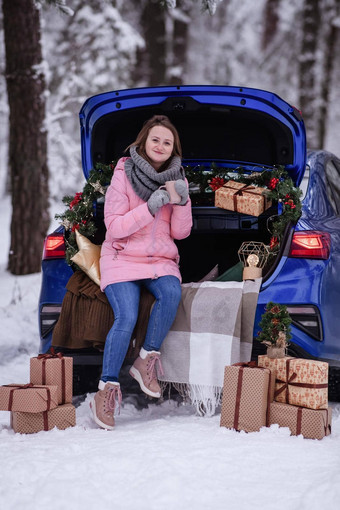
(311, 423)
(28, 398)
(242, 198)
(300, 382)
(61, 417)
(54, 369)
(246, 397)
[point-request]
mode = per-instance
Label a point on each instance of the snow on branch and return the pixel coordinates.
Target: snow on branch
(210, 5)
(60, 4)
(169, 4)
(207, 5)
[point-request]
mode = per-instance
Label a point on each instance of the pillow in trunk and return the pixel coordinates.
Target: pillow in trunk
(87, 258)
(211, 276)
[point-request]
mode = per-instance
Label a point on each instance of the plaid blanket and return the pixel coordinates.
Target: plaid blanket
(213, 328)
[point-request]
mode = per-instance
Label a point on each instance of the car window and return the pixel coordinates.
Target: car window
(333, 185)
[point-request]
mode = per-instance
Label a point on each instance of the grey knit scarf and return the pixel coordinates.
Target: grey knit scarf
(144, 179)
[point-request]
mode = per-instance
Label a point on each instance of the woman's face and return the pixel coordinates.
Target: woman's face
(159, 145)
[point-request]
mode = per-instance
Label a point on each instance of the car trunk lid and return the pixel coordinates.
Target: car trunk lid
(228, 126)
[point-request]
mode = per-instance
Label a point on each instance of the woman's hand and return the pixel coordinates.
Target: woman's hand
(182, 190)
(158, 198)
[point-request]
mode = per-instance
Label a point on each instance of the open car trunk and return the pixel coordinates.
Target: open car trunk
(228, 127)
(215, 240)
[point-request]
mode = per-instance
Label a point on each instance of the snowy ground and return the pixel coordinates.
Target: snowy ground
(162, 456)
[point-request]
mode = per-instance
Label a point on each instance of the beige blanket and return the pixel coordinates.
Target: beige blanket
(213, 328)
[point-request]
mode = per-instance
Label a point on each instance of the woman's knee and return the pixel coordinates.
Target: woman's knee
(176, 292)
(124, 300)
(171, 291)
(126, 320)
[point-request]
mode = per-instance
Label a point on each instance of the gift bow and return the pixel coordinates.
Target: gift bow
(247, 188)
(51, 354)
(24, 387)
(248, 364)
(54, 355)
(290, 382)
(19, 386)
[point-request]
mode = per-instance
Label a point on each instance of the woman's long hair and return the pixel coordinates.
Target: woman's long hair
(157, 120)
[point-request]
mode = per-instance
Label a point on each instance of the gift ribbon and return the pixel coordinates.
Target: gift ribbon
(24, 387)
(238, 398)
(239, 193)
(328, 425)
(53, 355)
(45, 421)
(290, 382)
(299, 421)
(250, 364)
(45, 418)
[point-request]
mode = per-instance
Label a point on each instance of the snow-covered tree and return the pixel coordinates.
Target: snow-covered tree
(90, 52)
(307, 68)
(330, 52)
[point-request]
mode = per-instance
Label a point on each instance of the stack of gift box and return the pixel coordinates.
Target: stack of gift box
(291, 392)
(45, 402)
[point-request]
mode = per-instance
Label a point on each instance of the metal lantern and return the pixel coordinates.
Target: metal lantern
(253, 256)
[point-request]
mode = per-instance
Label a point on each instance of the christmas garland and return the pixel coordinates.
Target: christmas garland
(280, 187)
(79, 213)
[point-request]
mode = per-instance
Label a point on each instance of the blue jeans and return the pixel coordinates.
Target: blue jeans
(124, 299)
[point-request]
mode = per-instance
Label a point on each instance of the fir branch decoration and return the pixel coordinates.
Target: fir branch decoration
(79, 212)
(275, 325)
(203, 178)
(281, 190)
(280, 187)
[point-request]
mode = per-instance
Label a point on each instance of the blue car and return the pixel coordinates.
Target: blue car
(229, 128)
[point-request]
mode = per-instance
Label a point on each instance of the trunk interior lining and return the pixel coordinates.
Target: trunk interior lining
(207, 132)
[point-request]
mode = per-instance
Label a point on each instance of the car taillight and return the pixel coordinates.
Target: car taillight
(54, 247)
(310, 244)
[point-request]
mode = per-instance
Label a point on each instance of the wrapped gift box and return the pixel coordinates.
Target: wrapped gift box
(300, 382)
(54, 369)
(311, 423)
(242, 198)
(246, 397)
(62, 417)
(28, 398)
(279, 364)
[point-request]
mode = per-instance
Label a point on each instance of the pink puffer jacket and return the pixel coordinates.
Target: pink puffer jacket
(137, 244)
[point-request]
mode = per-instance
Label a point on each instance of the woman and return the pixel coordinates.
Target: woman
(139, 250)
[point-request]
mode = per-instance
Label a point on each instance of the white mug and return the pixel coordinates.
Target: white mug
(169, 186)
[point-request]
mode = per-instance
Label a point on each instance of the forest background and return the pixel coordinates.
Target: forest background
(290, 47)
